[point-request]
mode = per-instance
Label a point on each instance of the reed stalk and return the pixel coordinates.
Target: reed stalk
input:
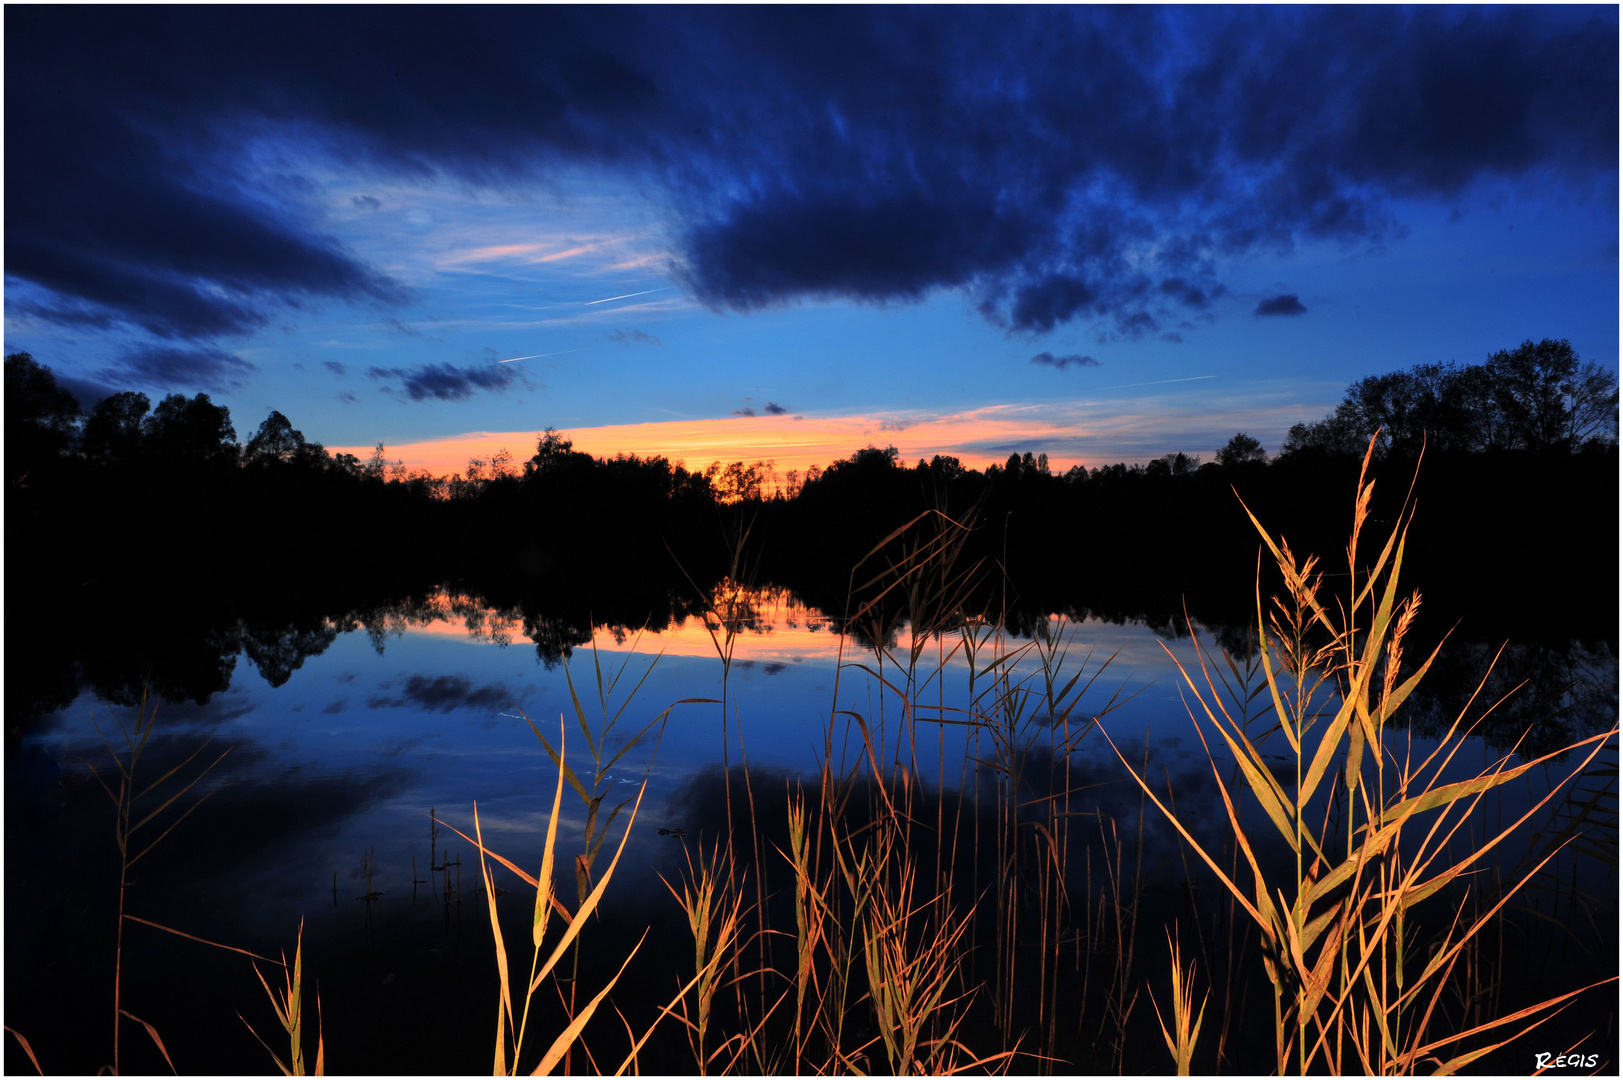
(129, 820)
(1185, 1021)
(711, 902)
(1338, 940)
(512, 1022)
(288, 1002)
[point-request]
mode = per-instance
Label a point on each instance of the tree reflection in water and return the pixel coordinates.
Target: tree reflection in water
(1543, 694)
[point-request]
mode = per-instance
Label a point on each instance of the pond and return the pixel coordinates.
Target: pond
(355, 750)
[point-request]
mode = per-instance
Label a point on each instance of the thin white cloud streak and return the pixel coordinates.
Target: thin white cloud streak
(591, 316)
(628, 295)
(527, 254)
(539, 355)
(1158, 382)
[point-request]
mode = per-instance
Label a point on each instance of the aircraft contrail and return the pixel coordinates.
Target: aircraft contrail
(538, 356)
(627, 296)
(1158, 382)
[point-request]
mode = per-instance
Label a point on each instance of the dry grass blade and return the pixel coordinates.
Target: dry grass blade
(153, 1032)
(1186, 1025)
(908, 971)
(713, 908)
(578, 920)
(1234, 890)
(567, 1037)
(543, 880)
(519, 872)
(280, 1064)
(289, 1008)
(29, 1050)
(204, 941)
(506, 1025)
(174, 824)
(511, 1026)
(1353, 909)
(668, 1009)
(1453, 1065)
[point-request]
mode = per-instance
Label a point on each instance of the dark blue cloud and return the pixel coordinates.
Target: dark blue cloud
(1048, 359)
(87, 392)
(190, 367)
(1053, 163)
(1285, 304)
(772, 408)
(1191, 295)
(443, 382)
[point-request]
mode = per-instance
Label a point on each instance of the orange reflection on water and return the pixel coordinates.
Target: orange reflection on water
(768, 625)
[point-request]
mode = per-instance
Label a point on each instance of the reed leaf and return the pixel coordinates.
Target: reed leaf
(565, 1038)
(151, 1031)
(29, 1050)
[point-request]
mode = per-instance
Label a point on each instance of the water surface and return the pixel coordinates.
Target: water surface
(343, 737)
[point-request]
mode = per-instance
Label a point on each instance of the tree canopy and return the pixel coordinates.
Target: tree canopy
(1539, 397)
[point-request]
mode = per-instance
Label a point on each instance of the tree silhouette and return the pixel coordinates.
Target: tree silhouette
(41, 417)
(114, 430)
(1241, 450)
(275, 441)
(1549, 399)
(1539, 397)
(551, 450)
(194, 431)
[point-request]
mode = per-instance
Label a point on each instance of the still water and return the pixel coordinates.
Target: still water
(320, 810)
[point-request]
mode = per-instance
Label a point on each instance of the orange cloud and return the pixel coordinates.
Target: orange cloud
(788, 443)
(1070, 433)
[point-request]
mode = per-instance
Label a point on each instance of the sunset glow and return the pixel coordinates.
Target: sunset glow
(1070, 433)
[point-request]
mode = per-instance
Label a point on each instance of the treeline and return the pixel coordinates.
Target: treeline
(1539, 397)
(1519, 492)
(1501, 539)
(135, 489)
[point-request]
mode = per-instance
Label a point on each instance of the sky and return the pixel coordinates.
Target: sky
(788, 233)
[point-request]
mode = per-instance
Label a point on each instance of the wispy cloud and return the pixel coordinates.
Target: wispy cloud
(1048, 359)
(632, 337)
(532, 253)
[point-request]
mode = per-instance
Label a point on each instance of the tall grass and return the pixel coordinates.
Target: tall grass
(994, 923)
(1185, 1021)
(131, 821)
(1338, 939)
(956, 929)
